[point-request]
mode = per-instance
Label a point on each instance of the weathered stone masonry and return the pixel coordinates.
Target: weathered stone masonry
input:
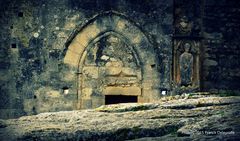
(75, 54)
(111, 24)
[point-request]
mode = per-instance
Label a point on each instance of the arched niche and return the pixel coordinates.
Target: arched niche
(119, 26)
(193, 65)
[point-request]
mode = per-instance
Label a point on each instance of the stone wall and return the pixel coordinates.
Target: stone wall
(215, 25)
(40, 64)
(34, 40)
(221, 45)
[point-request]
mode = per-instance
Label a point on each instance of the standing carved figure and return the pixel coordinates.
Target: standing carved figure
(186, 66)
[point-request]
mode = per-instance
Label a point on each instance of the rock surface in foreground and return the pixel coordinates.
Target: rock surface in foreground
(206, 118)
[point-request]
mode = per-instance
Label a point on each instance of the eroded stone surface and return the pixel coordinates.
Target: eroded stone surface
(148, 121)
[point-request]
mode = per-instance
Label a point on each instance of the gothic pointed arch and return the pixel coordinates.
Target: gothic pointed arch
(110, 25)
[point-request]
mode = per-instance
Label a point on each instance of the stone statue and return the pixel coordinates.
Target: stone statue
(184, 26)
(186, 66)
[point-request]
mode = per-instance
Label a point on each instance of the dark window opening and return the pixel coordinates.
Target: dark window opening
(153, 65)
(14, 45)
(20, 14)
(115, 99)
(65, 88)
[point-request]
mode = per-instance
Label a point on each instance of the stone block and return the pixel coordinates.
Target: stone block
(28, 105)
(76, 48)
(91, 71)
(86, 104)
(85, 36)
(113, 71)
(82, 39)
(147, 84)
(97, 101)
(71, 58)
(152, 94)
(69, 76)
(142, 99)
(129, 71)
(52, 94)
(111, 90)
(114, 64)
(87, 92)
(121, 24)
(208, 62)
(137, 39)
(123, 81)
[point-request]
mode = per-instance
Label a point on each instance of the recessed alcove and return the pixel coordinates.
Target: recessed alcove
(14, 45)
(115, 99)
(20, 14)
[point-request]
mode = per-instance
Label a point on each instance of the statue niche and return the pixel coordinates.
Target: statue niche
(186, 64)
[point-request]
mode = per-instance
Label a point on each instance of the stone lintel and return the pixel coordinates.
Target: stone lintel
(131, 91)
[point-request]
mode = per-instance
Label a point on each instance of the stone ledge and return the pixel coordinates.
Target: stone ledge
(131, 122)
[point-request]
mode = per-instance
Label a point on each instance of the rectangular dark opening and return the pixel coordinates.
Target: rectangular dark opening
(14, 45)
(153, 65)
(20, 14)
(115, 99)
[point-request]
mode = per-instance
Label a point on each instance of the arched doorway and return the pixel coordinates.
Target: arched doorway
(112, 57)
(110, 69)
